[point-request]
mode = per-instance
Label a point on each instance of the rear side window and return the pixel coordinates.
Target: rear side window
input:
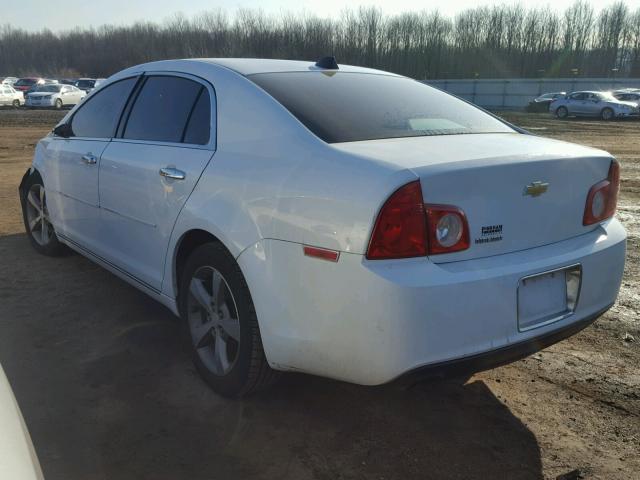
(98, 117)
(164, 108)
(348, 107)
(199, 124)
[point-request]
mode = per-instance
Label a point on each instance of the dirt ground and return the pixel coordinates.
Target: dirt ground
(108, 391)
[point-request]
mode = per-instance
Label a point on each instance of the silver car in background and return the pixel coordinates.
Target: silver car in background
(55, 95)
(593, 104)
(629, 95)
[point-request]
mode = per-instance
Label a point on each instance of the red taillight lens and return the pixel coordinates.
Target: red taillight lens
(448, 229)
(603, 197)
(400, 230)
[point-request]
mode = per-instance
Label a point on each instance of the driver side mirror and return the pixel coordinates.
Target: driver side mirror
(63, 130)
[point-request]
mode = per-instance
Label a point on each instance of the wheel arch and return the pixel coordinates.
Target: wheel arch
(31, 173)
(188, 242)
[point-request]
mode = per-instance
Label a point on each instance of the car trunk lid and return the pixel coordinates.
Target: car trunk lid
(517, 191)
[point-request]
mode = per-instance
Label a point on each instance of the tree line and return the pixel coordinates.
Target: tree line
(482, 42)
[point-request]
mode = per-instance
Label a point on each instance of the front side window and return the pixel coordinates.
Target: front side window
(98, 117)
(348, 107)
(164, 107)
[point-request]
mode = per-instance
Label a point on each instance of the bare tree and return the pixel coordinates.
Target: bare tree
(498, 41)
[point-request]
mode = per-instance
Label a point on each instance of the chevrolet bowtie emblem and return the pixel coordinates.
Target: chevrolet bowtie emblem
(535, 189)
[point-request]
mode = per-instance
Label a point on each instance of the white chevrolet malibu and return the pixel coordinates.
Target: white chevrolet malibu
(327, 219)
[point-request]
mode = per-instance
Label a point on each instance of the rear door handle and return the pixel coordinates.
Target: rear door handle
(170, 172)
(89, 158)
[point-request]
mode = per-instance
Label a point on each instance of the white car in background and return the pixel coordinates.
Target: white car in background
(9, 80)
(18, 459)
(9, 96)
(55, 96)
(297, 220)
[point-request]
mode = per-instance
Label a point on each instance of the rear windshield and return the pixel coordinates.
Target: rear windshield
(48, 88)
(350, 107)
(25, 81)
(85, 83)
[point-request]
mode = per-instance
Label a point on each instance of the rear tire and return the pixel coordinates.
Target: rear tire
(221, 324)
(562, 113)
(36, 219)
(16, 103)
(606, 114)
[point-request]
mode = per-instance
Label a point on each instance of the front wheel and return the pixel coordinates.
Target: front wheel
(562, 112)
(221, 323)
(37, 221)
(16, 103)
(606, 114)
(58, 104)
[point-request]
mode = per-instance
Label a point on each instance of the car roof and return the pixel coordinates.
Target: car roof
(251, 66)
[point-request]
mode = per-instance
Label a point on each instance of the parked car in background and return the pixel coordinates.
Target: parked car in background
(88, 84)
(542, 102)
(25, 84)
(67, 81)
(632, 96)
(9, 80)
(18, 459)
(315, 233)
(10, 96)
(593, 104)
(54, 95)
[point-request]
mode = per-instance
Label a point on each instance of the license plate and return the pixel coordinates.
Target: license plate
(548, 297)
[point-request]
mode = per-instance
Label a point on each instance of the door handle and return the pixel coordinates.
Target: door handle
(89, 158)
(170, 172)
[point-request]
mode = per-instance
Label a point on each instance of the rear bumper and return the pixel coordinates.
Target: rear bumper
(370, 322)
(500, 356)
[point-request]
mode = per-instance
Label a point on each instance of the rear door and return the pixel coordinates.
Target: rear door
(149, 171)
(71, 169)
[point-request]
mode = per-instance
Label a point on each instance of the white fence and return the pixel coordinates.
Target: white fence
(517, 92)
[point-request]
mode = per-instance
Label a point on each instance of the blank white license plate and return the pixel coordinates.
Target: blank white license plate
(542, 299)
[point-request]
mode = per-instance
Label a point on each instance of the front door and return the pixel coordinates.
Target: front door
(5, 95)
(72, 164)
(147, 174)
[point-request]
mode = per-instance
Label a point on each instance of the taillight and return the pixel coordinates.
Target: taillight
(603, 197)
(400, 230)
(447, 228)
(406, 227)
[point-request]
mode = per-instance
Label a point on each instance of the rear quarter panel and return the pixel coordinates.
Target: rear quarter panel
(272, 178)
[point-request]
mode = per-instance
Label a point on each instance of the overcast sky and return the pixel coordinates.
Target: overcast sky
(37, 14)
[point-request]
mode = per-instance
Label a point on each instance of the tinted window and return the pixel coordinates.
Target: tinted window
(23, 82)
(98, 117)
(162, 109)
(199, 125)
(85, 83)
(578, 96)
(347, 107)
(48, 88)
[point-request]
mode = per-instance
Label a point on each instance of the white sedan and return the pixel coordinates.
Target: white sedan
(55, 95)
(10, 96)
(298, 220)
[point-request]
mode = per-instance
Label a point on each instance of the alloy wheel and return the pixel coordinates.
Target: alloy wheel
(213, 320)
(38, 216)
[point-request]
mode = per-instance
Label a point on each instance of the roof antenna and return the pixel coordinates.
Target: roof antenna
(328, 63)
